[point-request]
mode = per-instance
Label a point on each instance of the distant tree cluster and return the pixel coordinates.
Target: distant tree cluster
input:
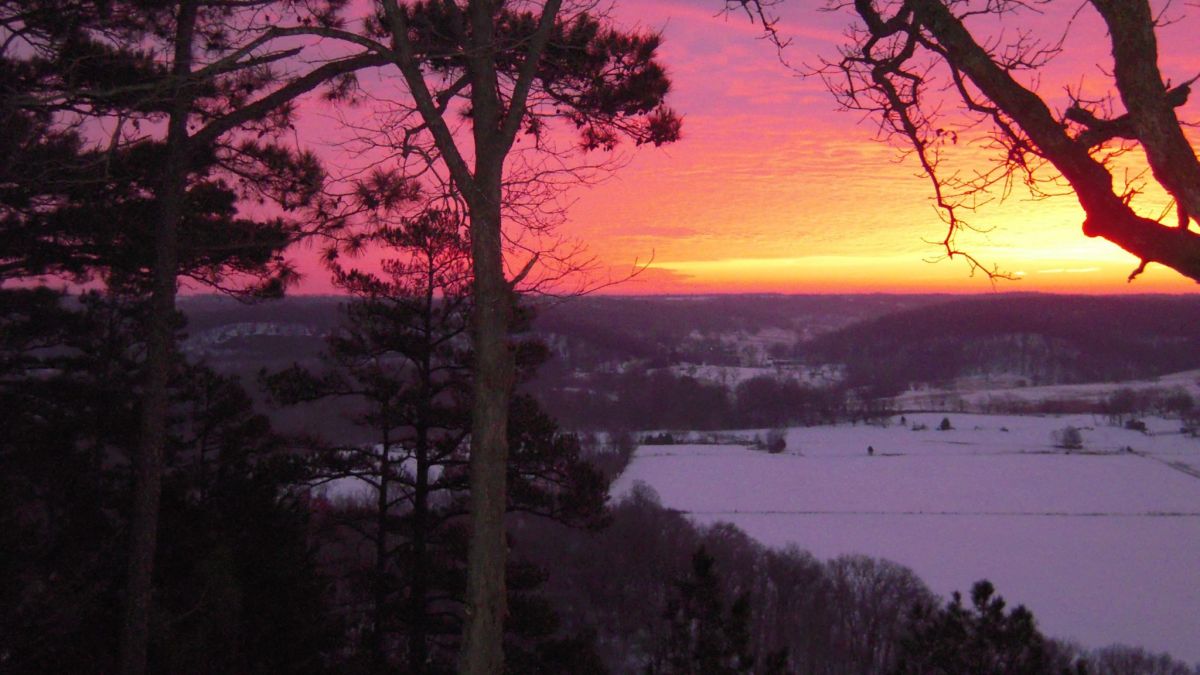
(705, 632)
(659, 399)
(661, 438)
(765, 401)
(982, 638)
(1119, 406)
(1122, 660)
(595, 330)
(1125, 404)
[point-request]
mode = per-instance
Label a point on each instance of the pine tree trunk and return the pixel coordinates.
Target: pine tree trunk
(418, 647)
(148, 462)
(486, 595)
(418, 640)
(378, 651)
(483, 634)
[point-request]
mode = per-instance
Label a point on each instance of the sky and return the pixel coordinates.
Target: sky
(774, 189)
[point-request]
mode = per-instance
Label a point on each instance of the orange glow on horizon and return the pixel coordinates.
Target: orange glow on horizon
(772, 189)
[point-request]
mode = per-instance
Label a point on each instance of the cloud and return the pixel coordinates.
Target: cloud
(1070, 270)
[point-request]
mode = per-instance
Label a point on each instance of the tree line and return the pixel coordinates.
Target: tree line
(657, 398)
(635, 584)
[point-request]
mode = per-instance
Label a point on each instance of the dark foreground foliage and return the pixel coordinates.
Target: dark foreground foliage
(238, 590)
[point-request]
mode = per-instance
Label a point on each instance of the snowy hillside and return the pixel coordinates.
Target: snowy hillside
(1037, 339)
(215, 337)
(732, 376)
(1102, 544)
(983, 395)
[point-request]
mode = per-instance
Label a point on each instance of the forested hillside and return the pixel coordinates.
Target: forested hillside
(1037, 339)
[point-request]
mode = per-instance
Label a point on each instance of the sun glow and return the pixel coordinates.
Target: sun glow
(772, 189)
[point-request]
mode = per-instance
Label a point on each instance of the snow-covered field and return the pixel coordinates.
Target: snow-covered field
(1102, 544)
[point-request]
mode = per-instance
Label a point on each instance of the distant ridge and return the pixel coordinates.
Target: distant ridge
(1043, 339)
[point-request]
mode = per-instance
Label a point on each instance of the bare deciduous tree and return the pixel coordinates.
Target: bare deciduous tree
(907, 60)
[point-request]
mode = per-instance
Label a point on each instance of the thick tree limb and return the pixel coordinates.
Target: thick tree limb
(301, 85)
(411, 71)
(520, 94)
(1099, 131)
(1108, 215)
(1135, 67)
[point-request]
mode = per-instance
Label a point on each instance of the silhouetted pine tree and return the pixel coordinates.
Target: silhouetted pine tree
(517, 68)
(237, 592)
(705, 637)
(982, 639)
(189, 99)
(404, 356)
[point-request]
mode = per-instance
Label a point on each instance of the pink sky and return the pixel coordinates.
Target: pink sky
(774, 189)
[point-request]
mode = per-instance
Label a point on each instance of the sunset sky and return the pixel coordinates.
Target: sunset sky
(773, 189)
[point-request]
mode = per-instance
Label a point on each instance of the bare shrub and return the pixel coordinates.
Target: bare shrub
(1068, 438)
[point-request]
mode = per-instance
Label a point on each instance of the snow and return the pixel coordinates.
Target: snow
(1103, 545)
(977, 393)
(732, 376)
(363, 489)
(215, 338)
